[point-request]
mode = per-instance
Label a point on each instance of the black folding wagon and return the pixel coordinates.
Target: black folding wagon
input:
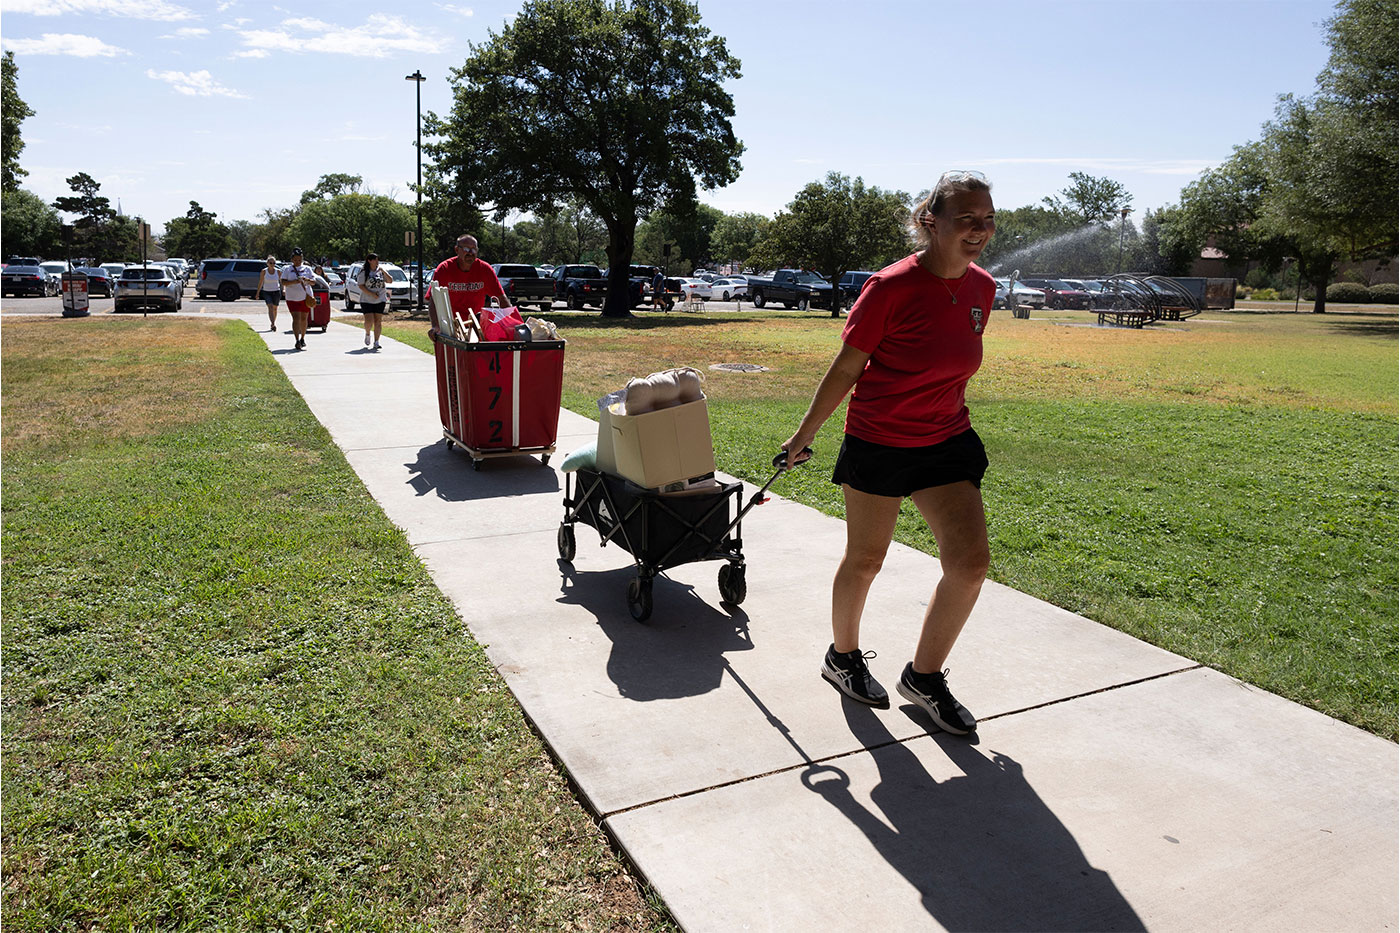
(662, 530)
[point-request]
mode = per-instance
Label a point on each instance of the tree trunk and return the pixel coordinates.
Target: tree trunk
(622, 241)
(1320, 299)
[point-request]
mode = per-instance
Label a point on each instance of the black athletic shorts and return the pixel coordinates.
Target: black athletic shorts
(901, 471)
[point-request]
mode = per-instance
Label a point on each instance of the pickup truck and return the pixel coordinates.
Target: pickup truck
(524, 285)
(852, 282)
(792, 287)
(578, 286)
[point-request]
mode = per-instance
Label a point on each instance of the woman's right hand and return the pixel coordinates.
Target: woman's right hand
(800, 444)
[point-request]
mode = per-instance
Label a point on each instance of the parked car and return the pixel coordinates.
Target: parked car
(54, 269)
(730, 288)
(704, 275)
(113, 269)
(695, 288)
(1026, 296)
(852, 282)
(23, 261)
(524, 285)
(26, 279)
(100, 282)
(1059, 294)
(400, 289)
(229, 279)
(335, 284)
(148, 287)
(579, 286)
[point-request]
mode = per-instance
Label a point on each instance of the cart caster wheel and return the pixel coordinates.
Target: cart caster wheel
(567, 546)
(544, 459)
(732, 587)
(476, 464)
(639, 598)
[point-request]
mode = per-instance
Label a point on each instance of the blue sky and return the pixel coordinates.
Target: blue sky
(242, 105)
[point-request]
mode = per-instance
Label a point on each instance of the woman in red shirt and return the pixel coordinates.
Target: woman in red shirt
(912, 341)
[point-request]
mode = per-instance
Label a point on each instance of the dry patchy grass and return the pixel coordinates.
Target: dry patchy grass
(123, 388)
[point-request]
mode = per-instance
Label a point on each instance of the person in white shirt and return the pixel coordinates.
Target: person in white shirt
(299, 285)
(374, 296)
(270, 290)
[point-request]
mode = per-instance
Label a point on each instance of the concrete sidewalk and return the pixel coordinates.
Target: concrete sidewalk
(1111, 785)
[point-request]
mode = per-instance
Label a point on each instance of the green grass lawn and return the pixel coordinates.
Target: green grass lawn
(1224, 488)
(233, 699)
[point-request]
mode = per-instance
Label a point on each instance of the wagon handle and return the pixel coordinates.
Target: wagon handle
(781, 460)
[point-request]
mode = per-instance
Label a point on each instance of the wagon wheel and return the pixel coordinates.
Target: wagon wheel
(639, 598)
(732, 587)
(567, 545)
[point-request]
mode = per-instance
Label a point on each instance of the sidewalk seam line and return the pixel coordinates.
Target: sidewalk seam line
(870, 748)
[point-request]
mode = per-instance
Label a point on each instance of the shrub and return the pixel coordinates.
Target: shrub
(1384, 293)
(1241, 291)
(1264, 294)
(1348, 293)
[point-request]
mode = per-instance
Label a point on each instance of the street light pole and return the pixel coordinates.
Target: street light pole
(418, 79)
(1122, 226)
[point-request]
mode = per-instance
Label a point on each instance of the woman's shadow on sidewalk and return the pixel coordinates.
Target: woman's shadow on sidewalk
(983, 849)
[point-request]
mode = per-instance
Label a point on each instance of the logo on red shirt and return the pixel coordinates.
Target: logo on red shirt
(978, 316)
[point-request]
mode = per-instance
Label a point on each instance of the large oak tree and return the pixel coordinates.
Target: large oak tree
(621, 105)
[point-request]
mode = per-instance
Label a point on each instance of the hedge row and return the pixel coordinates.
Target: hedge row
(1386, 293)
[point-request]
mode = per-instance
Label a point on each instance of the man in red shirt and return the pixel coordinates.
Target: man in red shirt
(468, 280)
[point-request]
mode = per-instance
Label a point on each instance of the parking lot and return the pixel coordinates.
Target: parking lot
(196, 305)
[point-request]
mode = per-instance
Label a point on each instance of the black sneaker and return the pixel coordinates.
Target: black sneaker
(930, 692)
(849, 674)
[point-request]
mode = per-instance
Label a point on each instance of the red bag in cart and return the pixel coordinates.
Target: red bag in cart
(500, 323)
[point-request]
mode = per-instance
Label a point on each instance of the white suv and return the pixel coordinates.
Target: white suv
(400, 289)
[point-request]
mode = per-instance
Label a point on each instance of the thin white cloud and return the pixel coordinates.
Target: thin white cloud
(1098, 163)
(188, 32)
(379, 37)
(453, 8)
(226, 5)
(131, 9)
(193, 83)
(252, 53)
(51, 43)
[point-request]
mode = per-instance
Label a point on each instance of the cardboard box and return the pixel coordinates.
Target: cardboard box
(659, 447)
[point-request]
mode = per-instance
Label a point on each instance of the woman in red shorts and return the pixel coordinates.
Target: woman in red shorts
(912, 341)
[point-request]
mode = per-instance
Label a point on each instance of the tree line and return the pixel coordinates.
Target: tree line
(600, 159)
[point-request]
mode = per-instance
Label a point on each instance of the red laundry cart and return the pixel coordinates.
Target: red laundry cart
(321, 311)
(499, 398)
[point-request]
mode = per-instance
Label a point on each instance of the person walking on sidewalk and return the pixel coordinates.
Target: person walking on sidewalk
(270, 291)
(299, 282)
(912, 341)
(374, 292)
(469, 281)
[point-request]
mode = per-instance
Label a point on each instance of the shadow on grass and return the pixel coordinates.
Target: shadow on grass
(1383, 328)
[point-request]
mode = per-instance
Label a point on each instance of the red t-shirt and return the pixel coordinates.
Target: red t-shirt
(923, 348)
(468, 289)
